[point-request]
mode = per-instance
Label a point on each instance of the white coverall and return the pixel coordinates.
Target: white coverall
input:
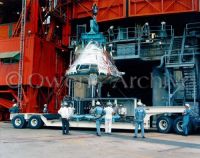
(108, 119)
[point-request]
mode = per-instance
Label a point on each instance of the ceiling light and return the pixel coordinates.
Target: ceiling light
(1, 3)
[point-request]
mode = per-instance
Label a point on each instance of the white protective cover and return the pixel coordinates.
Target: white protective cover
(93, 53)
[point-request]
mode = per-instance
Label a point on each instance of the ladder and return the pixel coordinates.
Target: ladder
(21, 58)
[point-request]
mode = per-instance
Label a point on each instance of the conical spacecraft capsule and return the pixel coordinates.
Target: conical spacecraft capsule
(93, 59)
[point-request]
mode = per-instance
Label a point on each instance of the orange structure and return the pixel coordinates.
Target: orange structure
(108, 10)
(47, 34)
(45, 56)
(144, 7)
(117, 9)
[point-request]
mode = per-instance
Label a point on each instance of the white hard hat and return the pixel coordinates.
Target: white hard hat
(98, 103)
(65, 103)
(188, 105)
(14, 105)
(139, 103)
(109, 103)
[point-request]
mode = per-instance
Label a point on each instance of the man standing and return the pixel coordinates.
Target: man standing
(186, 119)
(45, 109)
(108, 118)
(71, 109)
(140, 114)
(65, 114)
(98, 112)
(94, 10)
(15, 108)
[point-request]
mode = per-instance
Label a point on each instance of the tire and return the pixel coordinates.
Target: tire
(164, 124)
(19, 122)
(35, 122)
(177, 126)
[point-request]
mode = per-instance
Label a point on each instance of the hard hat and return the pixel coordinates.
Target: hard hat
(65, 103)
(98, 103)
(188, 105)
(109, 103)
(14, 105)
(139, 103)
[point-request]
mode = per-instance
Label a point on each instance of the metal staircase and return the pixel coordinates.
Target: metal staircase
(175, 89)
(190, 85)
(173, 56)
(183, 59)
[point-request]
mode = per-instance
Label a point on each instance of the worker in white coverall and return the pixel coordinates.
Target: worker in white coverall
(65, 115)
(108, 118)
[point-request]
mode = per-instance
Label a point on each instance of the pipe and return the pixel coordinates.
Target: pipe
(161, 62)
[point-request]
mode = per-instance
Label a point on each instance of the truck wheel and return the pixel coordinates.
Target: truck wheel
(164, 124)
(177, 126)
(19, 122)
(35, 122)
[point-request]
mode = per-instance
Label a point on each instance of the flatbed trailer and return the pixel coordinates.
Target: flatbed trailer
(166, 118)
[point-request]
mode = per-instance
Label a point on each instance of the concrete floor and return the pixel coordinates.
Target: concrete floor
(50, 143)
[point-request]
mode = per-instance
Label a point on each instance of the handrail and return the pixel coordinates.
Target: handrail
(182, 46)
(170, 47)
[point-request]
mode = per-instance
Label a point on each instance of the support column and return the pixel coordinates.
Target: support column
(160, 95)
